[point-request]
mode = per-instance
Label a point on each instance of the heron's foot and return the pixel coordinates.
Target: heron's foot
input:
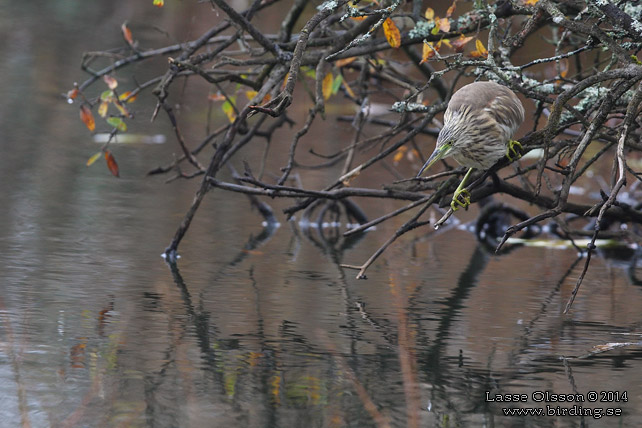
(511, 152)
(461, 199)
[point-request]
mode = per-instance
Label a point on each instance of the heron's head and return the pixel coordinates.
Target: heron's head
(446, 146)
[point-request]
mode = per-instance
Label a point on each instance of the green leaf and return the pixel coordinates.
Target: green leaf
(435, 30)
(336, 84)
(117, 123)
(107, 95)
(94, 158)
(228, 109)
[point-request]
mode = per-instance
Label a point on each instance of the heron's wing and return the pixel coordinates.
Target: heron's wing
(496, 100)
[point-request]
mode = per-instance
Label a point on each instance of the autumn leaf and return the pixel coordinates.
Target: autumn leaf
(102, 108)
(345, 61)
(94, 158)
(87, 118)
(159, 3)
(530, 2)
(460, 43)
(111, 163)
(349, 90)
(228, 109)
(563, 68)
(110, 81)
(429, 14)
(250, 94)
(429, 51)
(122, 109)
(117, 123)
(326, 86)
(392, 33)
(72, 95)
(107, 96)
(444, 25)
(127, 34)
(399, 154)
(451, 9)
(127, 96)
(216, 97)
(481, 51)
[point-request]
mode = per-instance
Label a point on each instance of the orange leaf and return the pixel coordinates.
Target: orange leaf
(392, 33)
(399, 154)
(530, 2)
(444, 25)
(563, 67)
(127, 34)
(326, 86)
(111, 163)
(345, 61)
(481, 51)
(216, 97)
(159, 3)
(110, 81)
(460, 43)
(127, 95)
(451, 9)
(430, 14)
(122, 109)
(428, 52)
(87, 118)
(71, 95)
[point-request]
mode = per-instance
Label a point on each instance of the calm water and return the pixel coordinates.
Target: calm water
(257, 327)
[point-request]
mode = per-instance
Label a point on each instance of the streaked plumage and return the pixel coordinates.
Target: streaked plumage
(479, 123)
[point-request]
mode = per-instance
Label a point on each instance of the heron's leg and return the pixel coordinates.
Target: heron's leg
(461, 192)
(511, 149)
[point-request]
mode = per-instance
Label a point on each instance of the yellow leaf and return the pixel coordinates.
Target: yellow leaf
(345, 61)
(446, 42)
(102, 109)
(127, 96)
(250, 94)
(399, 154)
(481, 51)
(159, 3)
(94, 158)
(428, 52)
(430, 14)
(326, 86)
(349, 90)
(530, 2)
(392, 33)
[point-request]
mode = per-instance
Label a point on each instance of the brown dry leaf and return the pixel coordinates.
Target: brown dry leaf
(345, 61)
(481, 51)
(87, 118)
(127, 34)
(326, 86)
(429, 14)
(111, 163)
(444, 25)
(392, 33)
(451, 9)
(110, 81)
(460, 43)
(428, 52)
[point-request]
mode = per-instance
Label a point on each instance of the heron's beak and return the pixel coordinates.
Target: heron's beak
(439, 153)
